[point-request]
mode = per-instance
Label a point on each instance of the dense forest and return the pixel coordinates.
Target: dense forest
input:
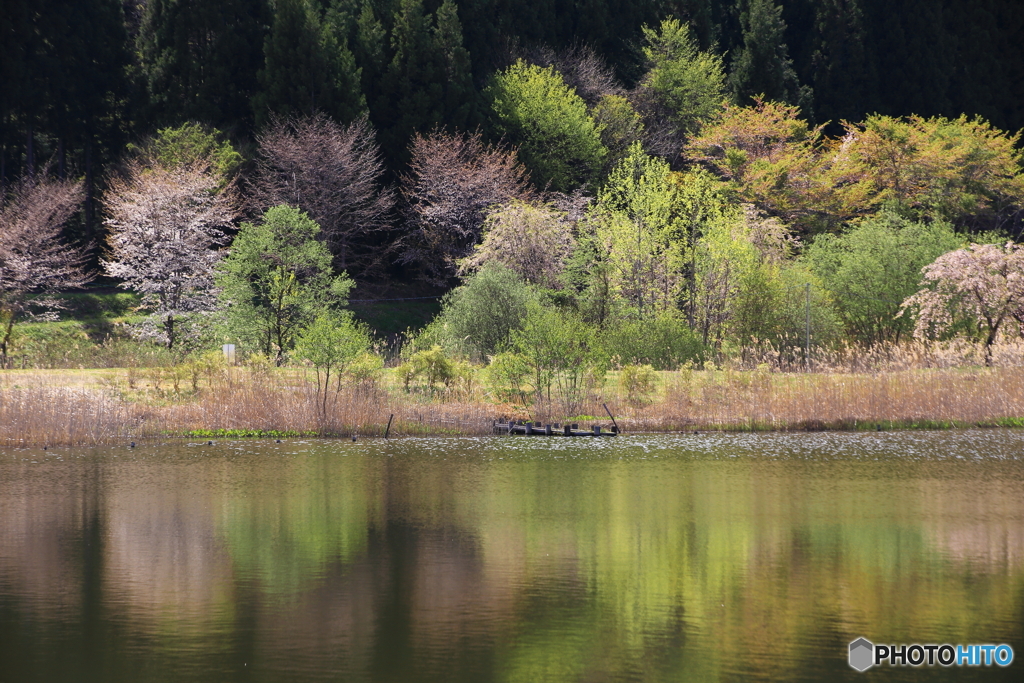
(82, 79)
(698, 161)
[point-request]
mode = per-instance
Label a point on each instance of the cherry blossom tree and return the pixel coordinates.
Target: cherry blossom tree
(453, 180)
(530, 239)
(982, 284)
(34, 259)
(333, 173)
(165, 227)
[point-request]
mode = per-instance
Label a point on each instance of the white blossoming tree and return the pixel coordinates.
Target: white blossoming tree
(34, 259)
(165, 227)
(982, 284)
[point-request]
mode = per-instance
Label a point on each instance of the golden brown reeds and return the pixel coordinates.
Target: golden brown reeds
(907, 386)
(64, 416)
(728, 399)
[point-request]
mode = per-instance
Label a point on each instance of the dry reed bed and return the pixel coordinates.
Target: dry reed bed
(762, 400)
(719, 399)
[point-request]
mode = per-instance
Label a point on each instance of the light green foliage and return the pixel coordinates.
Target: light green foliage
(620, 126)
(641, 232)
(562, 355)
(192, 143)
(664, 341)
(505, 375)
(771, 311)
(638, 383)
(874, 266)
(688, 83)
(723, 260)
(477, 317)
(534, 240)
(365, 369)
(276, 280)
(557, 139)
(331, 343)
(432, 365)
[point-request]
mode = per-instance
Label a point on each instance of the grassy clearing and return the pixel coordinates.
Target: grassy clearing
(108, 406)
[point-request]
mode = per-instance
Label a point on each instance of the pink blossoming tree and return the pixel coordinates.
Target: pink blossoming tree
(982, 284)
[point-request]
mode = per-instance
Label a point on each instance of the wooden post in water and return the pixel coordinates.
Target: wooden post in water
(388, 430)
(614, 423)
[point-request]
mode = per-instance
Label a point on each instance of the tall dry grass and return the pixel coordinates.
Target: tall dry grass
(65, 416)
(727, 399)
(909, 386)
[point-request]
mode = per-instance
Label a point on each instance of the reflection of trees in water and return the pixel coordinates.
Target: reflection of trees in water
(413, 566)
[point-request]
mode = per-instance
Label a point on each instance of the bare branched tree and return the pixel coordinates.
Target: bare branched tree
(453, 180)
(34, 260)
(582, 69)
(165, 227)
(333, 173)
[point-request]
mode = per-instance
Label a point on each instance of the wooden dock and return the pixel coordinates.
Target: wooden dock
(538, 429)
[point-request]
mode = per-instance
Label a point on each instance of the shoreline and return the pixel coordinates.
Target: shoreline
(61, 408)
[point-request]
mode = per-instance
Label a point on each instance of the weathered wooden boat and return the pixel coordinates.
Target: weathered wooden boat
(556, 429)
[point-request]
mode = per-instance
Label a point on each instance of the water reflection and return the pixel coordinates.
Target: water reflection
(640, 558)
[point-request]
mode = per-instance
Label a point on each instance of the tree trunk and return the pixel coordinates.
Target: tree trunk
(30, 154)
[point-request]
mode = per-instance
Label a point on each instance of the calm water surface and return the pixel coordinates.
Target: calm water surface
(642, 558)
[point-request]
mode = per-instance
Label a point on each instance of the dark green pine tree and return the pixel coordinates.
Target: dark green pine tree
(200, 59)
(459, 95)
(65, 82)
(762, 66)
(840, 66)
(428, 82)
(308, 68)
(370, 48)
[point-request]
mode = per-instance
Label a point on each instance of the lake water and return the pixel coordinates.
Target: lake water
(641, 558)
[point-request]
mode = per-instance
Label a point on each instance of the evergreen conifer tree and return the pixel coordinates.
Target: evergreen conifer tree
(200, 59)
(762, 66)
(306, 68)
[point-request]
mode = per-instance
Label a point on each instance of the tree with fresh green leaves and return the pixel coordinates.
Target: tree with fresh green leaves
(276, 280)
(563, 355)
(872, 267)
(556, 137)
(621, 125)
(642, 232)
(683, 83)
(664, 341)
(963, 169)
(772, 158)
(330, 343)
(189, 144)
(478, 317)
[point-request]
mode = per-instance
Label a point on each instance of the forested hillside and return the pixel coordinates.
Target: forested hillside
(704, 160)
(83, 78)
